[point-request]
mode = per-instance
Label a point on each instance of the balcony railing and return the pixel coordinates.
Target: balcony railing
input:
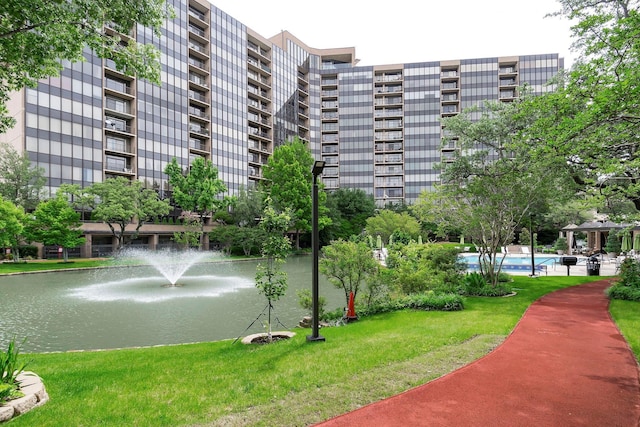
(197, 14)
(196, 30)
(118, 86)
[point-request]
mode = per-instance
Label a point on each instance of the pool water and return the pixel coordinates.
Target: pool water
(516, 262)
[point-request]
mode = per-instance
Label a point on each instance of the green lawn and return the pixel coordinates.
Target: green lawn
(287, 383)
(42, 265)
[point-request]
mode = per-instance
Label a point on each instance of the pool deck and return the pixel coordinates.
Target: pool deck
(607, 268)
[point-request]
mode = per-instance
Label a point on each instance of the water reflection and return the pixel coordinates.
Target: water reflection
(126, 307)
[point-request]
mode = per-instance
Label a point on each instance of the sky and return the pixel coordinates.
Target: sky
(412, 30)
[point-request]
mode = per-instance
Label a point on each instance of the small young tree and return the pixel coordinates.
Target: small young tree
(55, 222)
(271, 280)
(347, 265)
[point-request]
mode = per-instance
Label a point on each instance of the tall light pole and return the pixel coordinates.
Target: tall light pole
(318, 166)
(532, 249)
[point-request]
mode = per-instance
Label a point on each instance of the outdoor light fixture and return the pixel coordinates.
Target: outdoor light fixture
(318, 166)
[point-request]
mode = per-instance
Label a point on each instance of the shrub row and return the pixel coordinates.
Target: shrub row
(429, 301)
(628, 287)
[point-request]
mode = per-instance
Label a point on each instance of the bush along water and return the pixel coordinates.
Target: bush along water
(628, 286)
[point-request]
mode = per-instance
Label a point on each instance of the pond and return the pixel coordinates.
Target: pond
(134, 306)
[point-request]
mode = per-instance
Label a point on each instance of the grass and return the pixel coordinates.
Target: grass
(43, 265)
(626, 314)
(289, 383)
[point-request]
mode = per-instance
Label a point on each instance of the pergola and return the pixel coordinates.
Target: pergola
(597, 233)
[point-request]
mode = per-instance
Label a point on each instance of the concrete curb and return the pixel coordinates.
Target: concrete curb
(34, 395)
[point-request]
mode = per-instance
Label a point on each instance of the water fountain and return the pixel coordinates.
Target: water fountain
(171, 264)
(131, 305)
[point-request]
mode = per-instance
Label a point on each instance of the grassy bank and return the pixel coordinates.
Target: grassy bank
(287, 383)
(45, 265)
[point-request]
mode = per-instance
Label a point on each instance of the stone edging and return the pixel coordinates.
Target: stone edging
(249, 338)
(34, 395)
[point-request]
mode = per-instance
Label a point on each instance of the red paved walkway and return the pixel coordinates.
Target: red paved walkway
(565, 364)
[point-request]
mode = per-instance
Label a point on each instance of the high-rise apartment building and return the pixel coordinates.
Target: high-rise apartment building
(231, 95)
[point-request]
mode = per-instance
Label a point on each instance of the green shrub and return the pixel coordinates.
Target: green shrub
(619, 291)
(305, 299)
(28, 251)
(332, 316)
(630, 273)
(476, 285)
(10, 367)
(429, 301)
(628, 287)
(6, 392)
(420, 268)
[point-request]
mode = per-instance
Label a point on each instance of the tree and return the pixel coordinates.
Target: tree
(36, 37)
(491, 186)
(249, 238)
(347, 265)
(21, 183)
(55, 222)
(387, 222)
(289, 182)
(12, 219)
(197, 189)
(119, 202)
(351, 207)
(271, 280)
(593, 120)
(225, 236)
(248, 207)
(418, 268)
(190, 234)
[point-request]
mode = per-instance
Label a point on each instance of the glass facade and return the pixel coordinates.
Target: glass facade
(231, 96)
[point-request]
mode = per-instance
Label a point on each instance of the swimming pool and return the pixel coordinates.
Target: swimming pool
(515, 262)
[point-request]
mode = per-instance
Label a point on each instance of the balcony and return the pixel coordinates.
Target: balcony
(258, 105)
(197, 144)
(117, 105)
(118, 164)
(507, 69)
(199, 80)
(197, 30)
(449, 109)
(198, 47)
(197, 14)
(394, 77)
(329, 93)
(117, 86)
(198, 63)
(118, 145)
(257, 132)
(195, 128)
(258, 49)
(388, 89)
(116, 125)
(198, 112)
(198, 96)
(259, 65)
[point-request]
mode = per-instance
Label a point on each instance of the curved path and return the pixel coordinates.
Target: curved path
(565, 364)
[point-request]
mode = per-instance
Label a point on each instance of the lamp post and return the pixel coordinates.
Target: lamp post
(533, 257)
(318, 166)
